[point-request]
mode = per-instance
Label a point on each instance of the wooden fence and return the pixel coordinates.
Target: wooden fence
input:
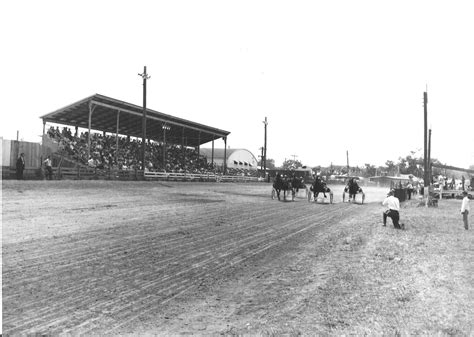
(35, 154)
(175, 176)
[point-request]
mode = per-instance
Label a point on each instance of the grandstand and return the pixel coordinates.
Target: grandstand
(100, 136)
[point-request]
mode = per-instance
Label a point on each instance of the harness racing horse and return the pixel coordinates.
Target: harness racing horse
(282, 184)
(353, 189)
(319, 186)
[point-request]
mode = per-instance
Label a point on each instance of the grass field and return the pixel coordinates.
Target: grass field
(151, 258)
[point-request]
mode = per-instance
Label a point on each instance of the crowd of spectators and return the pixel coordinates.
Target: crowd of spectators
(104, 154)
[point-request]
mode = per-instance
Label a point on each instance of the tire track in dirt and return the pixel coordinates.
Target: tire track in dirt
(204, 256)
(142, 285)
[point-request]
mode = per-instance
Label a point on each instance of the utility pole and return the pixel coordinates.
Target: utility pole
(347, 156)
(145, 77)
(429, 156)
(265, 149)
(294, 156)
(426, 178)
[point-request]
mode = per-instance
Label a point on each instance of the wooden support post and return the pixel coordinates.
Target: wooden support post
(91, 110)
(225, 155)
(199, 143)
(212, 154)
(183, 148)
(117, 137)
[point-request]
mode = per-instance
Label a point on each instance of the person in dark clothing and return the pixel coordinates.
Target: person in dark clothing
(20, 166)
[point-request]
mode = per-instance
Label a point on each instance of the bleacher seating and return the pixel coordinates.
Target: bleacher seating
(105, 155)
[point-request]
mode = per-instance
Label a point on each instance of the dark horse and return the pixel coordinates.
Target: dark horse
(283, 184)
(319, 186)
(353, 188)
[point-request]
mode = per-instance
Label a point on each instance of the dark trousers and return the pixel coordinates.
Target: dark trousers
(394, 215)
(409, 191)
(19, 174)
(464, 218)
(49, 172)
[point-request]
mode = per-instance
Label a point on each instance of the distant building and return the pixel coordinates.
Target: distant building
(390, 180)
(236, 158)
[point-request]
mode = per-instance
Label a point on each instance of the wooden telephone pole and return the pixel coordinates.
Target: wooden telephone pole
(426, 175)
(347, 156)
(145, 77)
(265, 149)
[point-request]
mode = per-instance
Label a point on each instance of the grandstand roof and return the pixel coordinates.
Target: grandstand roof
(104, 118)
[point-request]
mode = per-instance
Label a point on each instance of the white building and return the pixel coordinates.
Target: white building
(236, 158)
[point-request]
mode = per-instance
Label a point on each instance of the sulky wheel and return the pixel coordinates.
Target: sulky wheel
(343, 196)
(274, 194)
(331, 197)
(363, 197)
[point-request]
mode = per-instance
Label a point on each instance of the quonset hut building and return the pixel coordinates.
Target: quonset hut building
(240, 159)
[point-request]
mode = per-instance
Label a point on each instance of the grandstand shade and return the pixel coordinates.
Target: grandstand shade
(105, 113)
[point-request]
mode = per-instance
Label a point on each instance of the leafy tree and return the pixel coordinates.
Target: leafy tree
(270, 164)
(390, 167)
(289, 164)
(411, 164)
(370, 170)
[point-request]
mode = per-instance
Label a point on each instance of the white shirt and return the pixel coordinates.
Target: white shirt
(392, 203)
(465, 205)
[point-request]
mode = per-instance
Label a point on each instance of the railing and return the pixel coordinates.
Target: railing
(198, 177)
(84, 172)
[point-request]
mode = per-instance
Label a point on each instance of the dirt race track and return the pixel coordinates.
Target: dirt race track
(144, 258)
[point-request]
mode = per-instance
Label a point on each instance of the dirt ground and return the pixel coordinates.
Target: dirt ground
(171, 258)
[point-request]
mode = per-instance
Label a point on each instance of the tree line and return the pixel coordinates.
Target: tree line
(410, 164)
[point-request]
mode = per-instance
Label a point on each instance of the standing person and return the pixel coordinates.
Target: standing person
(409, 190)
(392, 212)
(20, 166)
(49, 168)
(465, 209)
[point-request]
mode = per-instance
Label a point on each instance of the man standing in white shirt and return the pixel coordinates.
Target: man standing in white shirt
(49, 168)
(393, 210)
(465, 209)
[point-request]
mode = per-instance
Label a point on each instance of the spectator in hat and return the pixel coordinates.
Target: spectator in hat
(20, 166)
(393, 210)
(465, 209)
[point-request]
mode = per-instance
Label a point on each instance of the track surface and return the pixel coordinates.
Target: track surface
(95, 257)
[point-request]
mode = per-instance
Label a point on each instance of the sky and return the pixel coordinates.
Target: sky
(330, 76)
